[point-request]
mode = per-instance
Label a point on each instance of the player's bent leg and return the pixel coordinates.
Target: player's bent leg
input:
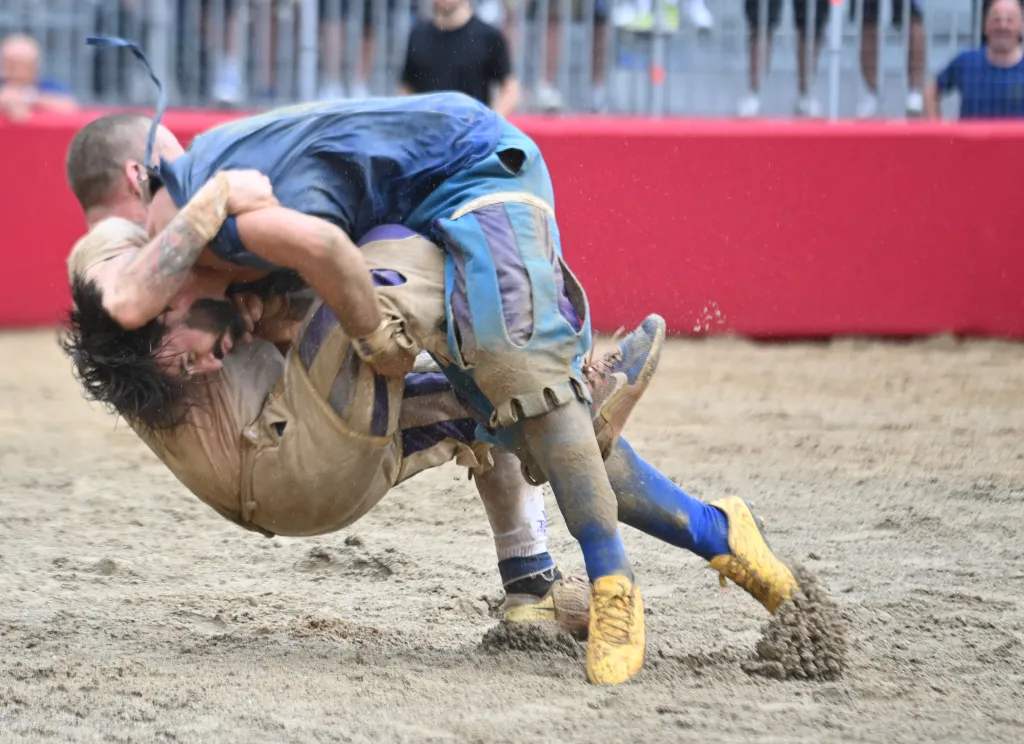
(518, 327)
(536, 591)
(750, 561)
(616, 383)
(618, 380)
(726, 533)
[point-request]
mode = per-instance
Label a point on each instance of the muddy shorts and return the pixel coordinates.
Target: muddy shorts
(517, 320)
(334, 437)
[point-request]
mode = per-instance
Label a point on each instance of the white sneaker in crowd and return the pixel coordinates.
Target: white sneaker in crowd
(868, 106)
(547, 97)
(915, 104)
(808, 106)
(359, 89)
(333, 91)
(229, 88)
(698, 14)
(749, 106)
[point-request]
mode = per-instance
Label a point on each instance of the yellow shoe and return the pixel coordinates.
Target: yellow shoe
(751, 563)
(566, 604)
(615, 649)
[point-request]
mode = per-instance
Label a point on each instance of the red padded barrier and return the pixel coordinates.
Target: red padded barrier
(790, 229)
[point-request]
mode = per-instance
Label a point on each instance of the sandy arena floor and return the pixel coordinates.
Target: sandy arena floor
(129, 611)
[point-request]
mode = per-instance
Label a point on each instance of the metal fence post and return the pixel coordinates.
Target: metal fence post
(835, 57)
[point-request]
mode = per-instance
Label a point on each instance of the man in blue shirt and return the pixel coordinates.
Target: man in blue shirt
(516, 321)
(990, 80)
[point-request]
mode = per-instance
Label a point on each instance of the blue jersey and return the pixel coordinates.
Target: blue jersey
(356, 164)
(986, 91)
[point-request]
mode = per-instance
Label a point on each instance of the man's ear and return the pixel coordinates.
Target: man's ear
(135, 174)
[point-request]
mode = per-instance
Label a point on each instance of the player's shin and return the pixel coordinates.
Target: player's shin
(652, 503)
(535, 589)
(562, 443)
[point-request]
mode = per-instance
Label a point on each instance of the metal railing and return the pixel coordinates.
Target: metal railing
(256, 53)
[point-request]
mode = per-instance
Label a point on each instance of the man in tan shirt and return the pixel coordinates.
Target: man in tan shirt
(307, 443)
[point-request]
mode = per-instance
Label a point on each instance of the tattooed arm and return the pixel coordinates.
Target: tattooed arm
(139, 285)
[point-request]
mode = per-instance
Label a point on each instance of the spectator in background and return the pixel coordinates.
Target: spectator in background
(547, 97)
(332, 39)
(869, 54)
(990, 80)
(455, 50)
(806, 104)
(229, 86)
(22, 90)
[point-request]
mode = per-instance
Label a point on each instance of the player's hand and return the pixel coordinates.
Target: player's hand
(249, 190)
(250, 307)
(389, 349)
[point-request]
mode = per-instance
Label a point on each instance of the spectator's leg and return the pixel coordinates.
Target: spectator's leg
(332, 46)
(750, 105)
(869, 56)
(807, 105)
(263, 37)
(547, 96)
(600, 49)
(361, 85)
(229, 87)
(916, 63)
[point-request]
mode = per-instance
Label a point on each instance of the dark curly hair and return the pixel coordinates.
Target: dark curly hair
(120, 368)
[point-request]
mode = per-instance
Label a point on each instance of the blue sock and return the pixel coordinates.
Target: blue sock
(604, 555)
(514, 569)
(652, 503)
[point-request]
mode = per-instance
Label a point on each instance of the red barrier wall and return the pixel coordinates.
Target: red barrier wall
(789, 228)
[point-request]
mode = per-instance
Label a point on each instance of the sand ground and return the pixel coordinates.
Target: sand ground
(129, 611)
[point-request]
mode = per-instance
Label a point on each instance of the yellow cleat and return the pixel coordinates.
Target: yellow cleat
(615, 648)
(751, 562)
(566, 604)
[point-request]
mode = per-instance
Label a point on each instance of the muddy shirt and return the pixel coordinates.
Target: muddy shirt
(205, 455)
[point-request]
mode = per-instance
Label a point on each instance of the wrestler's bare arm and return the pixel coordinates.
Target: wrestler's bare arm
(325, 257)
(137, 286)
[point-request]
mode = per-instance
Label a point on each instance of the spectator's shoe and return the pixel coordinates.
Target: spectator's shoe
(547, 98)
(616, 640)
(868, 107)
(637, 19)
(566, 604)
(749, 106)
(808, 107)
(332, 92)
(599, 100)
(751, 562)
(359, 90)
(697, 13)
(915, 104)
(228, 90)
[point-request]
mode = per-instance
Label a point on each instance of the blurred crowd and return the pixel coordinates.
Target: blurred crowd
(689, 57)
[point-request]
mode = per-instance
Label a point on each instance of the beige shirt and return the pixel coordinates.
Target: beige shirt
(108, 239)
(206, 455)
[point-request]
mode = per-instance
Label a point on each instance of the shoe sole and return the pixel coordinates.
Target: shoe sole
(622, 401)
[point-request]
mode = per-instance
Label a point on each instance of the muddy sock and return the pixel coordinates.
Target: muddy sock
(563, 444)
(652, 503)
(533, 575)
